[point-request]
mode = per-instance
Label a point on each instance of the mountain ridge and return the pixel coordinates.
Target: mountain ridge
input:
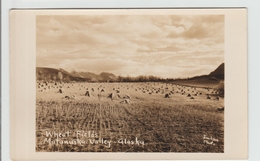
(219, 72)
(46, 73)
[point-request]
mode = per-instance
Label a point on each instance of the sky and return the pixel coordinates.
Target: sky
(167, 46)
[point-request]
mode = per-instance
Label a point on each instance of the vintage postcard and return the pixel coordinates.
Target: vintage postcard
(153, 83)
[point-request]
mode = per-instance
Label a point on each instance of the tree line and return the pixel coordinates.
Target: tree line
(60, 77)
(142, 78)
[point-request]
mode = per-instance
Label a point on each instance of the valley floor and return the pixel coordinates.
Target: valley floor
(147, 122)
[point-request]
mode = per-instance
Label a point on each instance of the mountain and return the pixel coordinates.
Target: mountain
(53, 74)
(219, 72)
(87, 75)
(48, 74)
(104, 76)
(108, 76)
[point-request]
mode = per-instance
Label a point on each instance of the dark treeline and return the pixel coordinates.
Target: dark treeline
(141, 78)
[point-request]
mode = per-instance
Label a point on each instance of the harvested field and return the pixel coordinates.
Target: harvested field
(149, 122)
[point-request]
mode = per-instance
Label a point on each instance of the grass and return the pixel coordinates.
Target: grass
(175, 124)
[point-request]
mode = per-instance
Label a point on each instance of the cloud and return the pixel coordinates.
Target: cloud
(202, 27)
(161, 45)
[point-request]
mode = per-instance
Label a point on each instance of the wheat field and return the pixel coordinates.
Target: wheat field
(128, 117)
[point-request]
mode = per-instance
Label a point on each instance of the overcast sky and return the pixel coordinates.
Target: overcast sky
(168, 46)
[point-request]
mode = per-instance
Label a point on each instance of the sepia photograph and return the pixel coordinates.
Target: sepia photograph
(130, 83)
